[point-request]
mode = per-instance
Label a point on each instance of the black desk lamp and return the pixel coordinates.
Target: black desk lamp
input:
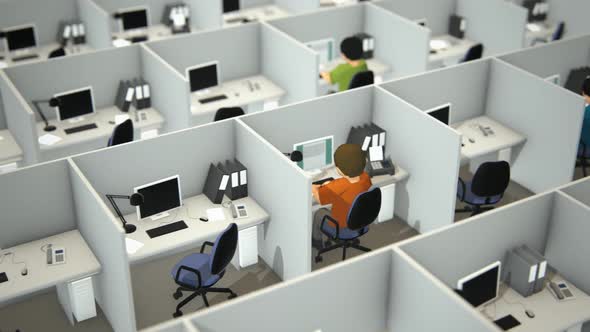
(296, 156)
(53, 102)
(135, 200)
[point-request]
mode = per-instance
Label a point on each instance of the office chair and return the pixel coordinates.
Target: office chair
(197, 273)
(474, 53)
(364, 211)
(361, 79)
(486, 188)
(123, 133)
(559, 32)
(57, 53)
(228, 112)
(583, 158)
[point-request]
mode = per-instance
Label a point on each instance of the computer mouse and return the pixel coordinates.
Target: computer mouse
(24, 271)
(203, 219)
(529, 313)
(471, 140)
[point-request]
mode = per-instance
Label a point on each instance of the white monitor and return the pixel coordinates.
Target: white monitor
(159, 198)
(134, 18)
(318, 153)
(20, 38)
(325, 49)
(441, 113)
(203, 76)
(481, 287)
(73, 105)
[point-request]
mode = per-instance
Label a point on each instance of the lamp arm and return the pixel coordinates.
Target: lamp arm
(111, 199)
(36, 104)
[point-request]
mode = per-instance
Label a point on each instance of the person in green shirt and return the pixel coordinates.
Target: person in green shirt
(352, 51)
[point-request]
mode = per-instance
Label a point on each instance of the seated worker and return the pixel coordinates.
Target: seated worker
(352, 51)
(350, 163)
(585, 136)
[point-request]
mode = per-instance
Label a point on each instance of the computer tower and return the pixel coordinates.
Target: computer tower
(520, 273)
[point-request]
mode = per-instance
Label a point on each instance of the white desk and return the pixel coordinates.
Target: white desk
(261, 13)
(381, 71)
(43, 54)
(539, 32)
(456, 50)
(197, 232)
(93, 139)
(251, 93)
(550, 314)
(10, 151)
(333, 3)
(153, 32)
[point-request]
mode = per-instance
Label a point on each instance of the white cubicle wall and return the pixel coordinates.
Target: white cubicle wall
(547, 116)
(96, 22)
(436, 13)
(574, 13)
(292, 7)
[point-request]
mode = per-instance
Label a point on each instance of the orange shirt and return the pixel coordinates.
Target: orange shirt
(341, 194)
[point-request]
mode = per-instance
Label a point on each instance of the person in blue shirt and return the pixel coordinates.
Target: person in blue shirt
(585, 136)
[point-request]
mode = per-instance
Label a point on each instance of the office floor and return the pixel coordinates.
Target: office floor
(153, 288)
(44, 313)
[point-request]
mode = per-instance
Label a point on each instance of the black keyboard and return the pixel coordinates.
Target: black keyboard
(138, 39)
(25, 57)
(237, 19)
(166, 229)
(78, 129)
(322, 181)
(212, 99)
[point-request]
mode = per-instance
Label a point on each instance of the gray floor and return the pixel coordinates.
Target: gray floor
(44, 313)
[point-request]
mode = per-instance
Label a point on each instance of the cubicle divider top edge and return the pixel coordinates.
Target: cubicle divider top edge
(299, 6)
(97, 23)
(578, 190)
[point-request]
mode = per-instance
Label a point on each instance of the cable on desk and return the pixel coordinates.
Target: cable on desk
(11, 253)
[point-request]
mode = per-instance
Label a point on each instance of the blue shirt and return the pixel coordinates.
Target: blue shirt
(585, 137)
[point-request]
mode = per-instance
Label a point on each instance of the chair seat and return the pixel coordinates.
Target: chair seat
(473, 199)
(345, 233)
(199, 262)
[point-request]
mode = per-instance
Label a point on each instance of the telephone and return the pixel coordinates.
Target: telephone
(239, 211)
(561, 291)
(55, 255)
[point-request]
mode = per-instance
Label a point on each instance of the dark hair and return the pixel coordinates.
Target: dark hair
(586, 86)
(352, 48)
(350, 159)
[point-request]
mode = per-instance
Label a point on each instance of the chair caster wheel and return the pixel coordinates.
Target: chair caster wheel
(319, 259)
(177, 314)
(232, 296)
(177, 295)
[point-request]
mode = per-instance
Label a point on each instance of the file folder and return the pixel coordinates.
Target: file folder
(125, 96)
(216, 184)
(81, 37)
(243, 176)
(147, 97)
(457, 26)
(233, 188)
(542, 267)
(378, 135)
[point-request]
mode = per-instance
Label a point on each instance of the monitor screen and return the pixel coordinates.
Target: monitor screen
(21, 38)
(481, 287)
(317, 153)
(325, 49)
(442, 113)
(134, 19)
(203, 76)
(159, 197)
(231, 6)
(74, 104)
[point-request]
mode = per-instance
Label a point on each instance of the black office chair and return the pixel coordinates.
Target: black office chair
(228, 112)
(361, 79)
(123, 133)
(487, 187)
(57, 53)
(583, 158)
(364, 211)
(197, 273)
(474, 53)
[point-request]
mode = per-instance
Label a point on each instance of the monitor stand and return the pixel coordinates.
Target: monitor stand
(202, 92)
(76, 120)
(160, 216)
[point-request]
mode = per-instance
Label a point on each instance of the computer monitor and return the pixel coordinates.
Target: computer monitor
(203, 76)
(325, 48)
(317, 153)
(441, 113)
(74, 104)
(231, 6)
(481, 287)
(538, 10)
(20, 37)
(159, 198)
(134, 18)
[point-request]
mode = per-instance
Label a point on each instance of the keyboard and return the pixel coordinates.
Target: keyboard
(138, 39)
(212, 99)
(237, 19)
(166, 229)
(25, 57)
(322, 181)
(78, 129)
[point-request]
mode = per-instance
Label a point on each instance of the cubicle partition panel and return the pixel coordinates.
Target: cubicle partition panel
(97, 24)
(282, 189)
(37, 202)
(205, 14)
(155, 9)
(288, 63)
(20, 120)
(299, 6)
(170, 91)
(106, 238)
(177, 325)
(579, 190)
(549, 117)
(573, 12)
(501, 32)
(390, 32)
(436, 13)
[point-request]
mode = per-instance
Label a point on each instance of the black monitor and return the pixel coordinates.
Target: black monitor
(134, 19)
(441, 113)
(203, 76)
(159, 197)
(73, 104)
(537, 10)
(481, 287)
(19, 38)
(231, 6)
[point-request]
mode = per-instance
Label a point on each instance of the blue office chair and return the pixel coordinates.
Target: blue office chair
(198, 273)
(228, 113)
(487, 187)
(583, 158)
(123, 133)
(559, 32)
(474, 53)
(361, 79)
(364, 211)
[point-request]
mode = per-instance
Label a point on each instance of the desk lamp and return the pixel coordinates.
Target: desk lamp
(296, 156)
(135, 200)
(53, 102)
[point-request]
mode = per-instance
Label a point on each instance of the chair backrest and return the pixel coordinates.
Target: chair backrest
(57, 53)
(123, 133)
(224, 249)
(474, 53)
(228, 112)
(558, 34)
(491, 179)
(361, 79)
(365, 209)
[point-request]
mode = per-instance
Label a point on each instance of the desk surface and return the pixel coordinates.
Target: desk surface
(80, 262)
(539, 30)
(550, 315)
(43, 54)
(502, 138)
(10, 151)
(238, 93)
(456, 51)
(153, 32)
(101, 118)
(259, 13)
(197, 232)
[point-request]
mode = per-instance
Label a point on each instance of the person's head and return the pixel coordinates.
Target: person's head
(350, 160)
(351, 48)
(586, 90)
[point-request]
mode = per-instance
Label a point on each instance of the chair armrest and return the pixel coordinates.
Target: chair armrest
(462, 184)
(189, 269)
(207, 243)
(333, 221)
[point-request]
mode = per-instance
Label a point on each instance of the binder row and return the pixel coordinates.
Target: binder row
(229, 178)
(71, 30)
(136, 92)
(526, 270)
(369, 135)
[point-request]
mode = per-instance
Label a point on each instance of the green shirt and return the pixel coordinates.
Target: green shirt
(343, 74)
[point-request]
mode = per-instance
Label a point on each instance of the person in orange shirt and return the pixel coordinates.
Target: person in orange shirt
(350, 163)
